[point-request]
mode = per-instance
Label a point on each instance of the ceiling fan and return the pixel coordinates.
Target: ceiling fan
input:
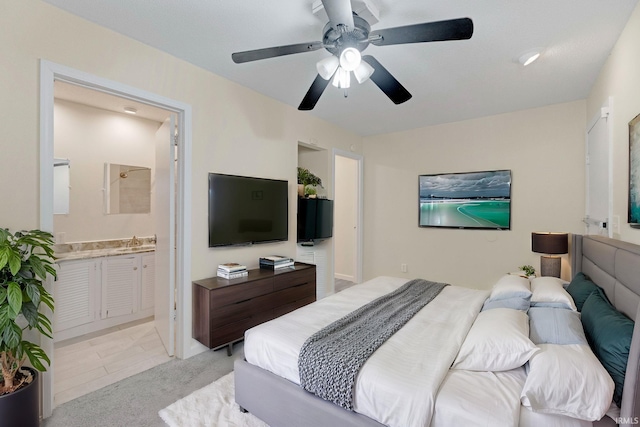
(345, 36)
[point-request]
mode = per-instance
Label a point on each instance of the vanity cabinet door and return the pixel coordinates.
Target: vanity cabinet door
(74, 293)
(147, 281)
(119, 286)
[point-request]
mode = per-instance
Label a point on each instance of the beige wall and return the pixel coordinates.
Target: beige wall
(544, 148)
(235, 130)
(89, 137)
(620, 79)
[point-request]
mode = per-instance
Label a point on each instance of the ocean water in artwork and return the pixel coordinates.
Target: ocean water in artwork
(466, 213)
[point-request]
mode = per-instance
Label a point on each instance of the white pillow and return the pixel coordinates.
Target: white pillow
(510, 286)
(549, 292)
(497, 341)
(567, 380)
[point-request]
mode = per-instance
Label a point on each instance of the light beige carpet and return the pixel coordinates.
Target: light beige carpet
(211, 406)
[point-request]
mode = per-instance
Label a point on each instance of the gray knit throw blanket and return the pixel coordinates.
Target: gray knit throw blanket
(332, 357)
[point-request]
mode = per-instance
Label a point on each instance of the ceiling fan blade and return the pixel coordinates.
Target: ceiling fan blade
(453, 29)
(339, 13)
(313, 94)
(386, 82)
(271, 52)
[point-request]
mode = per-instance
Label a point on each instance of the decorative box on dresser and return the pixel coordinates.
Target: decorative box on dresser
(224, 309)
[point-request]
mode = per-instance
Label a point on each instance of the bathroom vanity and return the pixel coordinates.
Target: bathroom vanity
(99, 288)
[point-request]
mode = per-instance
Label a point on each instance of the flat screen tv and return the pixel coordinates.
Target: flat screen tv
(480, 200)
(315, 219)
(245, 210)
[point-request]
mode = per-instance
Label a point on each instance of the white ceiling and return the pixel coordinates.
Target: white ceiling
(450, 81)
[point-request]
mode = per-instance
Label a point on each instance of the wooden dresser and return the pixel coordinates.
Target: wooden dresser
(224, 309)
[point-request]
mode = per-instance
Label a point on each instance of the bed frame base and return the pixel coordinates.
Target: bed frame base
(281, 403)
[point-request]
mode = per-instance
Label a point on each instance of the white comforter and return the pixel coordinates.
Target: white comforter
(395, 391)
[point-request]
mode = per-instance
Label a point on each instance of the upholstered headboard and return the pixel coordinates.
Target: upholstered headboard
(614, 265)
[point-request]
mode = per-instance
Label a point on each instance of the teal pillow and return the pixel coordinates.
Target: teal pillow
(609, 334)
(580, 288)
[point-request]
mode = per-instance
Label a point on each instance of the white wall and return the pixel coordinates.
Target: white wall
(544, 149)
(620, 79)
(89, 137)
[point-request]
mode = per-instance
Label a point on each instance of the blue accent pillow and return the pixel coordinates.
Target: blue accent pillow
(609, 334)
(515, 303)
(555, 326)
(580, 288)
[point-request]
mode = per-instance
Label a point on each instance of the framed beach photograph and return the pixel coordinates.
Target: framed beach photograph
(480, 200)
(634, 172)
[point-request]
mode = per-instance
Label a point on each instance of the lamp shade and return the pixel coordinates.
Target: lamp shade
(327, 66)
(363, 72)
(550, 243)
(350, 58)
(342, 79)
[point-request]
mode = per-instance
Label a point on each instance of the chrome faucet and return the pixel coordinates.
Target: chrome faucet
(135, 241)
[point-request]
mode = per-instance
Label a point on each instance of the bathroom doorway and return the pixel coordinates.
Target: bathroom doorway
(172, 233)
(110, 147)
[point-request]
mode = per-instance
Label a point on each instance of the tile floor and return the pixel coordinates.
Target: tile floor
(87, 363)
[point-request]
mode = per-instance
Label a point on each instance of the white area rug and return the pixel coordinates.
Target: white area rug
(211, 406)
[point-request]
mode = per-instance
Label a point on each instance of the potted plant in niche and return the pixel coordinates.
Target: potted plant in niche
(26, 259)
(307, 182)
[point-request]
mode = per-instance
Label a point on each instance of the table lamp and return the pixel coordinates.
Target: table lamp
(550, 244)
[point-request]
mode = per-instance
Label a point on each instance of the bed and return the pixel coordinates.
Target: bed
(267, 381)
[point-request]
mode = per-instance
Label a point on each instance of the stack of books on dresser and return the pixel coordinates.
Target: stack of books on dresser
(232, 270)
(276, 262)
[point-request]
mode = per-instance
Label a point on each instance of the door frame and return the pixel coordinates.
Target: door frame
(359, 214)
(49, 73)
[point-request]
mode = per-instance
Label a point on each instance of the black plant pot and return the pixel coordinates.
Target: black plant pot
(22, 408)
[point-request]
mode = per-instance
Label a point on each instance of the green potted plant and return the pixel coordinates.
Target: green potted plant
(528, 270)
(26, 259)
(306, 178)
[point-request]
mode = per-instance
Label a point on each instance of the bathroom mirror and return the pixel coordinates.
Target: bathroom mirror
(127, 189)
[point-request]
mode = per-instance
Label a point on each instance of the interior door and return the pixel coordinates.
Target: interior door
(345, 218)
(598, 204)
(164, 190)
(348, 219)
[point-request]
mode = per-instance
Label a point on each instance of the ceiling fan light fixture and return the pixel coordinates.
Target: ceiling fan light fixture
(342, 79)
(363, 72)
(350, 58)
(327, 66)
